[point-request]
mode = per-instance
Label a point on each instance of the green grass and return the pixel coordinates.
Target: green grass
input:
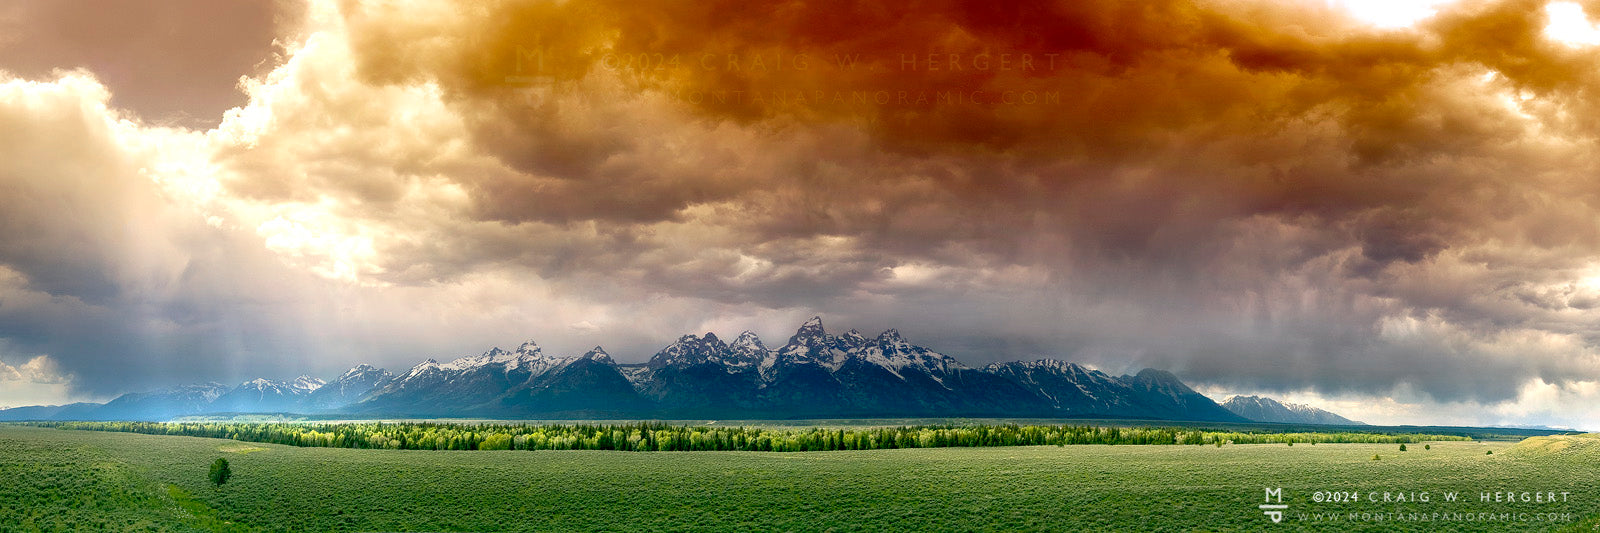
(58, 480)
(54, 484)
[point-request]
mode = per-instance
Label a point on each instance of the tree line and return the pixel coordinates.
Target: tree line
(660, 436)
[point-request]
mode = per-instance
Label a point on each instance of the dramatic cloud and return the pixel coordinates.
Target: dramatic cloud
(37, 381)
(1315, 199)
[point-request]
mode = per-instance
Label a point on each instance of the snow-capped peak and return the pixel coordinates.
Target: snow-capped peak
(421, 368)
(748, 349)
(259, 383)
(1264, 409)
(300, 385)
(692, 350)
(892, 352)
(851, 340)
(748, 338)
(359, 371)
(496, 356)
(307, 383)
(811, 345)
(529, 347)
(812, 329)
(599, 355)
(1054, 365)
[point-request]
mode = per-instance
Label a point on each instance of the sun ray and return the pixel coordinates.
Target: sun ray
(1570, 25)
(1389, 13)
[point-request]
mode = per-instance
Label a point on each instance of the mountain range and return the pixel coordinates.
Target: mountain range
(1262, 409)
(814, 374)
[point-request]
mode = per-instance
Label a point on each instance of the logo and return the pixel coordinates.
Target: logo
(1274, 506)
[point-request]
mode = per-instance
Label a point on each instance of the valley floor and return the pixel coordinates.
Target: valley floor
(59, 480)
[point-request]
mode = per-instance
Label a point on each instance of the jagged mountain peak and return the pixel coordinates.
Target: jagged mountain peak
(748, 338)
(361, 374)
(599, 355)
(266, 395)
(810, 345)
(810, 332)
(348, 388)
(892, 352)
(422, 368)
(528, 355)
(300, 384)
(1048, 364)
(1264, 409)
(849, 341)
(307, 383)
(692, 349)
(815, 374)
(359, 370)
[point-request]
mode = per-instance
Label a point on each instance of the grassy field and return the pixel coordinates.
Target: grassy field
(57, 480)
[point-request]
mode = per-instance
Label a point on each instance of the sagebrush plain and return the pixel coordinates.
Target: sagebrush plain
(64, 480)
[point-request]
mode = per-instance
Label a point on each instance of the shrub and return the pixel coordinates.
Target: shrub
(662, 436)
(1375, 457)
(1402, 447)
(1427, 446)
(220, 472)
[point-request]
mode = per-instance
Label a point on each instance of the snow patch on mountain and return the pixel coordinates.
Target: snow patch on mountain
(1264, 409)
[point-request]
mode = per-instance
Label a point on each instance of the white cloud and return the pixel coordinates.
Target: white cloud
(1572, 405)
(38, 381)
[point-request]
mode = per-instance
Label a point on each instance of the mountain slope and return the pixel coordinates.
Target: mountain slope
(264, 395)
(347, 389)
(444, 389)
(589, 386)
(1262, 409)
(1073, 390)
(71, 411)
(159, 405)
(814, 374)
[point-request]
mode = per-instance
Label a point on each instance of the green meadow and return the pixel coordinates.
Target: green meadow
(67, 480)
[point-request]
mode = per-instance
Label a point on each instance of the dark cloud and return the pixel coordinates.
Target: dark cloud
(1201, 161)
(1261, 196)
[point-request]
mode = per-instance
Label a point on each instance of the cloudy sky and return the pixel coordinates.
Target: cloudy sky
(1387, 208)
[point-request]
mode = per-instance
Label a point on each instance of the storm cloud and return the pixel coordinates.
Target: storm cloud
(1273, 197)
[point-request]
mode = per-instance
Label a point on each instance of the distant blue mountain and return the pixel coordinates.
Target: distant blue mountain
(812, 375)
